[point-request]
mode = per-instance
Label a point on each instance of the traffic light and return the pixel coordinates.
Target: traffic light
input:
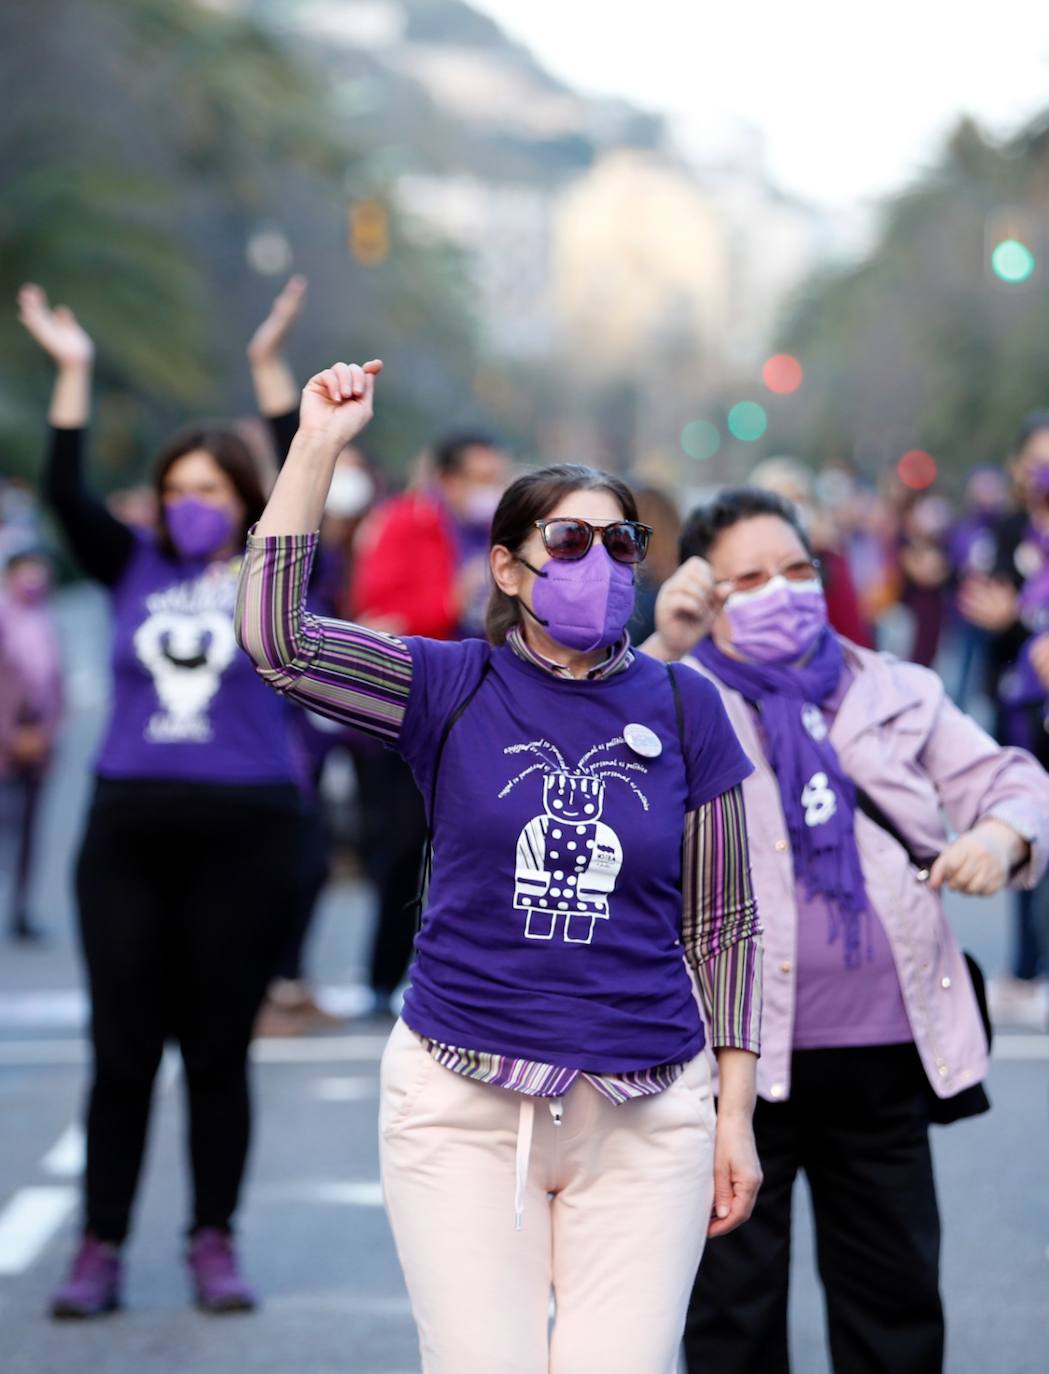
(369, 232)
(1012, 238)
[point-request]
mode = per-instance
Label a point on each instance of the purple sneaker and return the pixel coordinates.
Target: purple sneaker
(213, 1271)
(93, 1285)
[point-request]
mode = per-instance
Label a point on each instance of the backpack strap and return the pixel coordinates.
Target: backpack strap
(426, 868)
(679, 717)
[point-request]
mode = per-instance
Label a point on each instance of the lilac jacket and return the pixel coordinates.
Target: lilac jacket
(935, 773)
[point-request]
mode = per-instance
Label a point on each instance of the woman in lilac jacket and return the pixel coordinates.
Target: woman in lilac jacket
(871, 792)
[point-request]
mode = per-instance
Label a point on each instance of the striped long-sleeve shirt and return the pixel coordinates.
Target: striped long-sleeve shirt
(363, 678)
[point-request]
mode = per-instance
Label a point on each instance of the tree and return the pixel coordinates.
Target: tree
(919, 345)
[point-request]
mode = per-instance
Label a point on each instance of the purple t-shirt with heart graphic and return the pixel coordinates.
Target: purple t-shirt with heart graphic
(187, 701)
(564, 885)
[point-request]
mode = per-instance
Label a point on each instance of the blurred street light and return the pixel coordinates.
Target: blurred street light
(369, 232)
(1011, 238)
(700, 439)
(917, 469)
(748, 421)
(782, 374)
(269, 252)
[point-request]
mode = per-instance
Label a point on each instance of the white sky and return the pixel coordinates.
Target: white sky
(852, 99)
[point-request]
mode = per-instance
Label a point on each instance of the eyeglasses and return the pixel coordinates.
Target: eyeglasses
(568, 540)
(798, 570)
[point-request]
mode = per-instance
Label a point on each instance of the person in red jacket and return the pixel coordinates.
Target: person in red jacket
(420, 568)
(421, 564)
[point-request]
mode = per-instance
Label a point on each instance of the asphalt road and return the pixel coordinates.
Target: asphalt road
(313, 1232)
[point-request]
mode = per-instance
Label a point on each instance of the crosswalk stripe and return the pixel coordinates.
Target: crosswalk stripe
(28, 1222)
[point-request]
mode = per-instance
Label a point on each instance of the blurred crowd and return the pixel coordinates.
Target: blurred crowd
(957, 582)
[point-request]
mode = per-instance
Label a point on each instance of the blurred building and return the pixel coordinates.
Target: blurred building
(646, 282)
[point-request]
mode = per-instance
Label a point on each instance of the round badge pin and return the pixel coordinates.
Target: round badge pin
(643, 741)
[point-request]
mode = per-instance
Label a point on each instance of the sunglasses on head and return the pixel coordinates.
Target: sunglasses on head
(569, 539)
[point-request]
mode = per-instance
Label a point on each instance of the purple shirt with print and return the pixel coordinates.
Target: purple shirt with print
(577, 839)
(187, 701)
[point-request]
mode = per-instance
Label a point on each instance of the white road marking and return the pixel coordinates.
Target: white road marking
(67, 1156)
(367, 1193)
(330, 1192)
(343, 1089)
(28, 1222)
(59, 1009)
(170, 1068)
(328, 1049)
(324, 1049)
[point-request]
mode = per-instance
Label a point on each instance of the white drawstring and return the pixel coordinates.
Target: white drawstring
(525, 1122)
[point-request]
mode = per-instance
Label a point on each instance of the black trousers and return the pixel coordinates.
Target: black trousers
(394, 835)
(313, 872)
(857, 1123)
(184, 892)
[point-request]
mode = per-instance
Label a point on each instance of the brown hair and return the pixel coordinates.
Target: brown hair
(533, 496)
(230, 452)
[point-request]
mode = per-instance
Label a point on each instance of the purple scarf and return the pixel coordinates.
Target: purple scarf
(819, 801)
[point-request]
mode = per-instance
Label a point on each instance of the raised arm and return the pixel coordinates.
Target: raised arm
(336, 406)
(721, 935)
(102, 543)
(276, 392)
(351, 674)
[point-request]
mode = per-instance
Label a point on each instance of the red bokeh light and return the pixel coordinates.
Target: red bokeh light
(917, 469)
(782, 374)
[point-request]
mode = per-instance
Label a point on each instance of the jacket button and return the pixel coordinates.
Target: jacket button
(942, 1070)
(786, 966)
(945, 982)
(780, 846)
(777, 1090)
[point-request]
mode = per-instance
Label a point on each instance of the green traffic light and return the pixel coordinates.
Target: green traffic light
(1012, 261)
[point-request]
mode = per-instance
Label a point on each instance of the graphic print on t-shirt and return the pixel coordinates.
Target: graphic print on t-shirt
(568, 859)
(186, 643)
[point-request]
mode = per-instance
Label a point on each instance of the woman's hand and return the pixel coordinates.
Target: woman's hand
(1040, 658)
(269, 339)
(686, 607)
(337, 403)
(57, 331)
(989, 603)
(737, 1172)
(979, 862)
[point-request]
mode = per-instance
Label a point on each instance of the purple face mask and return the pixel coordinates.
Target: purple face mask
(779, 623)
(197, 528)
(585, 604)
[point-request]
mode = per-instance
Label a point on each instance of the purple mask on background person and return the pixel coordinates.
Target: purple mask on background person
(584, 604)
(196, 527)
(778, 623)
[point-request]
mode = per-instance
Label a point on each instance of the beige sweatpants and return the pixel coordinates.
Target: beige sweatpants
(614, 1205)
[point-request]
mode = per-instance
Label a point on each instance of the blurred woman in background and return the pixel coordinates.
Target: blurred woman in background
(181, 881)
(32, 657)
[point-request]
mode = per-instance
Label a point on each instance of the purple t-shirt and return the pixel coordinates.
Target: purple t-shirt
(837, 1005)
(553, 926)
(187, 701)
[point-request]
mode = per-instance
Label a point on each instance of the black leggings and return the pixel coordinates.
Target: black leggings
(185, 902)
